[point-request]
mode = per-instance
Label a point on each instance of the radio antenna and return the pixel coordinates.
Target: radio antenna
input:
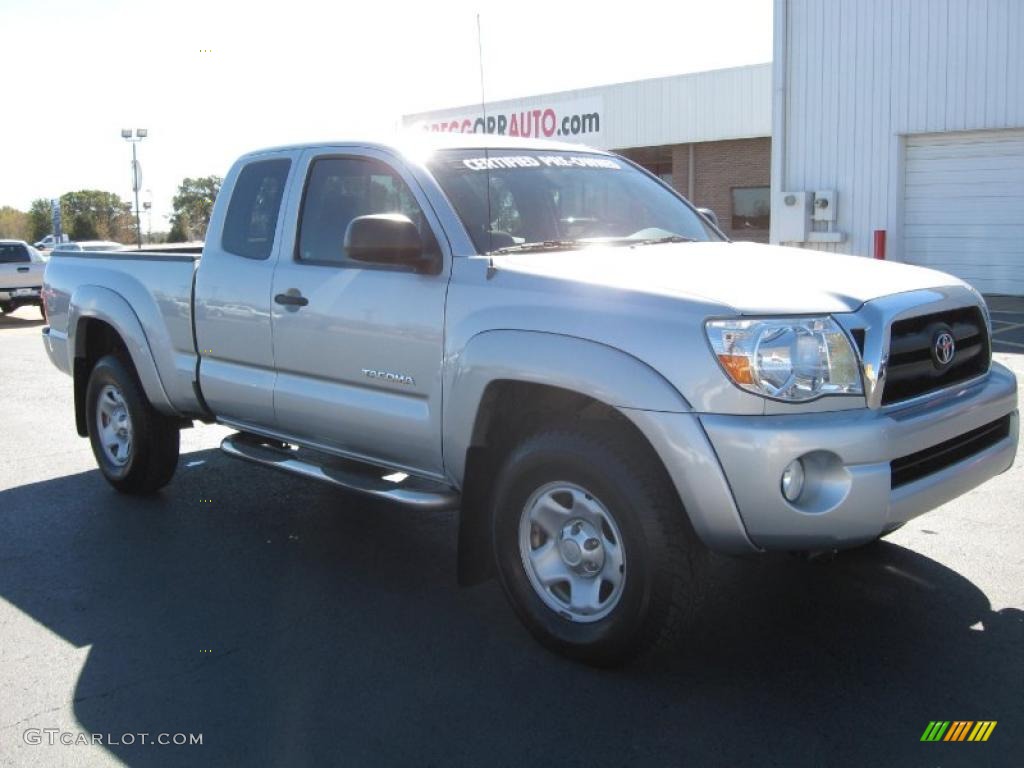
(480, 58)
(487, 157)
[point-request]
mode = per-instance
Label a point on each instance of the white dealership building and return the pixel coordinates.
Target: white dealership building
(894, 128)
(705, 133)
(908, 117)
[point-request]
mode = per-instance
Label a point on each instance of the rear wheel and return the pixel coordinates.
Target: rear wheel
(135, 446)
(594, 550)
(6, 307)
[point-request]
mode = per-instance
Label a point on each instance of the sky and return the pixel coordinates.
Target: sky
(212, 80)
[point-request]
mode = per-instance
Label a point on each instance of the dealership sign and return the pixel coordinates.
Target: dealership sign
(575, 120)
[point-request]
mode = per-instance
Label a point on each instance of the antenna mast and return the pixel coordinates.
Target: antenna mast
(487, 157)
(480, 57)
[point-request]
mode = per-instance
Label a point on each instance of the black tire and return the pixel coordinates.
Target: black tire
(153, 455)
(6, 307)
(664, 573)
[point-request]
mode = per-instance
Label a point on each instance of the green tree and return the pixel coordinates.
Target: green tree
(84, 227)
(92, 214)
(193, 205)
(179, 229)
(40, 219)
(15, 224)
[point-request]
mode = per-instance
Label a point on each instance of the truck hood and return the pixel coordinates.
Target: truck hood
(749, 278)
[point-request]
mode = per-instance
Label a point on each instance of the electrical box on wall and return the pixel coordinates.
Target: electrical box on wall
(793, 214)
(825, 205)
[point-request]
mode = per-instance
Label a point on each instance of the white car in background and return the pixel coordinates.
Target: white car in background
(21, 275)
(88, 245)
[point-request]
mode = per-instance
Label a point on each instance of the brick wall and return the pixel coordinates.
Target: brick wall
(718, 167)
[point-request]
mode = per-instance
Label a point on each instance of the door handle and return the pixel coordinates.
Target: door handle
(23, 269)
(291, 299)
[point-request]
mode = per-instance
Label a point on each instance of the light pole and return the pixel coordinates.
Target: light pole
(148, 206)
(140, 134)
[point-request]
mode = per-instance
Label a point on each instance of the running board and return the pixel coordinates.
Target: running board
(398, 487)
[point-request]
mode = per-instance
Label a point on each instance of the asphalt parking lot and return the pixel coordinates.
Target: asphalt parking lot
(1007, 324)
(290, 624)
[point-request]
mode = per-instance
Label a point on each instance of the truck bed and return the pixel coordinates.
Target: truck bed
(150, 291)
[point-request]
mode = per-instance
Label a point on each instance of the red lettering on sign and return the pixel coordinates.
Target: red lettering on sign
(548, 122)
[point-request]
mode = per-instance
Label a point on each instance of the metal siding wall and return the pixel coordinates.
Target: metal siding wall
(863, 74)
(704, 106)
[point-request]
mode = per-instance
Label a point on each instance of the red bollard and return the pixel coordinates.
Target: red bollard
(880, 244)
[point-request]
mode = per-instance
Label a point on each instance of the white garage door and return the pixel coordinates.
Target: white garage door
(964, 207)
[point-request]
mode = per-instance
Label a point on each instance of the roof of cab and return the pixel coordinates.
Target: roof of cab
(419, 143)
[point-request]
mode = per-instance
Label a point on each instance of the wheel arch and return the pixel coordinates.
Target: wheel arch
(103, 323)
(507, 383)
(588, 369)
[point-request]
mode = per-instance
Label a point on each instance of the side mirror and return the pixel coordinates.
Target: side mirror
(708, 214)
(386, 238)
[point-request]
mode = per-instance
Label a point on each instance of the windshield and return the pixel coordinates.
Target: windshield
(542, 199)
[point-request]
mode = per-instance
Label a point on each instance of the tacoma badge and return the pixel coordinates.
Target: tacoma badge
(397, 378)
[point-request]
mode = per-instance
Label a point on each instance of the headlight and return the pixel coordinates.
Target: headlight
(792, 359)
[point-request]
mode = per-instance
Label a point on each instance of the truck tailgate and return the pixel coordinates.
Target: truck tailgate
(19, 275)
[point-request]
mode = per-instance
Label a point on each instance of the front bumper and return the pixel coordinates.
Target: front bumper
(850, 497)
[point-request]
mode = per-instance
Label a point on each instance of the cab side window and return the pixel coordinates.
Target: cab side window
(251, 221)
(341, 188)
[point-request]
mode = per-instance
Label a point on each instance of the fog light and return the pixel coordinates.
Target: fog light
(793, 480)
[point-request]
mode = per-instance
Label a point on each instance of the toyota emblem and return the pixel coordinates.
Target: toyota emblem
(944, 348)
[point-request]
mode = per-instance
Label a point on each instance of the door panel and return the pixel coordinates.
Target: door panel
(359, 364)
(232, 296)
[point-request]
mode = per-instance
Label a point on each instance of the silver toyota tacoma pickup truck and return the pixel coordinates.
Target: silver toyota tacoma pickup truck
(555, 343)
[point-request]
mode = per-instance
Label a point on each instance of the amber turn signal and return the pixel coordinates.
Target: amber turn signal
(738, 367)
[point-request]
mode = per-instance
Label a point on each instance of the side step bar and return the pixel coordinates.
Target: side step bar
(398, 487)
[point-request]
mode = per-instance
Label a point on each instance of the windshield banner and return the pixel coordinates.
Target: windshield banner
(484, 163)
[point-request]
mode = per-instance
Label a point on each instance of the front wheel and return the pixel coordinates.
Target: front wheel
(136, 447)
(594, 550)
(6, 307)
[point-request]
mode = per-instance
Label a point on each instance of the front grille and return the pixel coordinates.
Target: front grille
(913, 371)
(907, 469)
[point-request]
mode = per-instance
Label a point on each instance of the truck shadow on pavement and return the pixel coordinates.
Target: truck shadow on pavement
(293, 625)
(17, 321)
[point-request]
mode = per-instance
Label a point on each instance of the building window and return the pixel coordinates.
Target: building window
(750, 208)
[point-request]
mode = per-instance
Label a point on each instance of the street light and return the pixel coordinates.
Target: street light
(140, 134)
(147, 206)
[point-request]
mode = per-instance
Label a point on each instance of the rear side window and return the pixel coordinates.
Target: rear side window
(251, 220)
(11, 253)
